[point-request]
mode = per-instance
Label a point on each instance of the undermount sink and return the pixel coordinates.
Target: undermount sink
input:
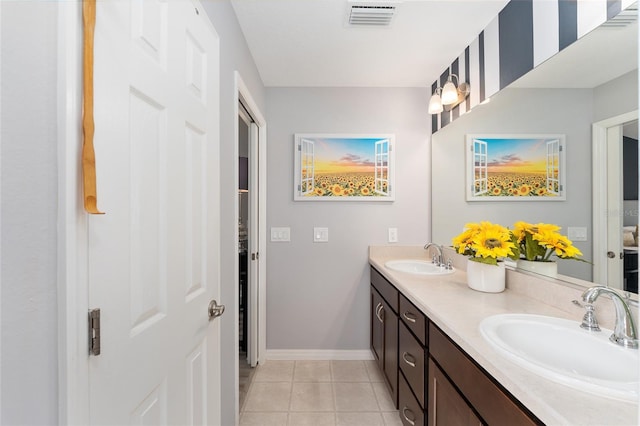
(418, 267)
(560, 350)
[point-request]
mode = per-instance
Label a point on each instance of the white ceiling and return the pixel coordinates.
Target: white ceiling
(307, 43)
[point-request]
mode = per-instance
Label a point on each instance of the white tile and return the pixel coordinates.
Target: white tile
(392, 419)
(312, 397)
(349, 371)
(312, 419)
(263, 419)
(270, 396)
(274, 371)
(383, 396)
(355, 397)
(312, 371)
(359, 419)
(374, 371)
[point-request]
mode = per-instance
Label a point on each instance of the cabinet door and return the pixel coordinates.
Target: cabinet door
(390, 338)
(446, 406)
(377, 327)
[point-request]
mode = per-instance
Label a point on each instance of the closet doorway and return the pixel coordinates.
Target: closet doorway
(251, 143)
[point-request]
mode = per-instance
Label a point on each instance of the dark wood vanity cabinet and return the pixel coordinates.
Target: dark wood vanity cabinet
(467, 394)
(432, 381)
(412, 363)
(384, 330)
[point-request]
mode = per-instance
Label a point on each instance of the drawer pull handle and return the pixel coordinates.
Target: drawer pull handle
(409, 316)
(404, 358)
(412, 421)
(379, 310)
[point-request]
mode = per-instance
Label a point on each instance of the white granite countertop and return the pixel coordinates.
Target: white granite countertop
(457, 310)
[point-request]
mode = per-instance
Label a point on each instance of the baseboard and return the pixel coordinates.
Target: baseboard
(318, 354)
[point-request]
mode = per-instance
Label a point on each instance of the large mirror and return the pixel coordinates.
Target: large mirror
(587, 88)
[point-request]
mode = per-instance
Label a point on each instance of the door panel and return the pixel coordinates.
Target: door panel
(153, 257)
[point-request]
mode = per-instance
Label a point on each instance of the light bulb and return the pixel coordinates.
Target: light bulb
(435, 105)
(449, 93)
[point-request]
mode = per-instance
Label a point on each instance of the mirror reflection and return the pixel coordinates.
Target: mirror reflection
(591, 87)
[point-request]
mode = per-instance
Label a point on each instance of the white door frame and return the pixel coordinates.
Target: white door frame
(241, 91)
(599, 188)
(73, 360)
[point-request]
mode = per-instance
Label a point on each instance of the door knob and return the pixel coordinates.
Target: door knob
(611, 255)
(215, 310)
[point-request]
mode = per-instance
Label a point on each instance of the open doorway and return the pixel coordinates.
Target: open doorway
(615, 202)
(251, 139)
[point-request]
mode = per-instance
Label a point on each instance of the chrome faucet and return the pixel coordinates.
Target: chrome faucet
(436, 259)
(624, 332)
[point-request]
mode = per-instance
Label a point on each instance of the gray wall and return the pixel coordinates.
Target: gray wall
(317, 293)
(29, 204)
(234, 55)
(517, 111)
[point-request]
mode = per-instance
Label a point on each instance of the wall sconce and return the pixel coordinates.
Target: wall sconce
(449, 96)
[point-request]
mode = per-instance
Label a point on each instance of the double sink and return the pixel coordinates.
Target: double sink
(555, 348)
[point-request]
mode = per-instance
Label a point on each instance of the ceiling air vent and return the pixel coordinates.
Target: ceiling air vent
(371, 15)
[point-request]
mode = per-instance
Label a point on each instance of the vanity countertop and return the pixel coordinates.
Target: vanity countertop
(457, 310)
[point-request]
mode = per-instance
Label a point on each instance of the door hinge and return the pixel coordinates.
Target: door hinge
(94, 332)
(255, 256)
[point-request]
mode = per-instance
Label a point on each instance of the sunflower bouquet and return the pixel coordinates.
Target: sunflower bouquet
(539, 242)
(486, 242)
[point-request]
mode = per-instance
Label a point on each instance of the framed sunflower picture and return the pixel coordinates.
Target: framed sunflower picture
(515, 167)
(337, 167)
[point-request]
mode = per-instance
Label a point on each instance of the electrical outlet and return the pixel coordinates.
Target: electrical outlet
(575, 233)
(393, 235)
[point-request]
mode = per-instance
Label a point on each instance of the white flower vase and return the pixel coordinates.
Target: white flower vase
(549, 269)
(485, 277)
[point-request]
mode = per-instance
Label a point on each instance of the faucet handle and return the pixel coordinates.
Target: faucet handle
(589, 320)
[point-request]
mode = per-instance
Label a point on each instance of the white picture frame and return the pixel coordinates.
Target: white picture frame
(516, 167)
(344, 167)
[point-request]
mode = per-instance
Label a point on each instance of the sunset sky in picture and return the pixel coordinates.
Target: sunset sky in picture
(517, 155)
(336, 155)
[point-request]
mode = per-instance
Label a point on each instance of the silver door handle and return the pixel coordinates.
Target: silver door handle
(406, 410)
(404, 358)
(409, 316)
(215, 310)
(379, 311)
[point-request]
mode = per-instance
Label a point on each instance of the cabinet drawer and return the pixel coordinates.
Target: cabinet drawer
(411, 359)
(490, 401)
(385, 288)
(414, 319)
(411, 414)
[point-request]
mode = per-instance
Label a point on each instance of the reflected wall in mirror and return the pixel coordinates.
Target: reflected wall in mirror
(592, 80)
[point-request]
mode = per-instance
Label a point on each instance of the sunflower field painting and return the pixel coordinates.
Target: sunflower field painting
(344, 167)
(515, 168)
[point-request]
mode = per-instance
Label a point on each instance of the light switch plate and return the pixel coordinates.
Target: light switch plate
(320, 235)
(393, 235)
(281, 234)
(575, 233)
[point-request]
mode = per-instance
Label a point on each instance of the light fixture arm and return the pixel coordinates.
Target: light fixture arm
(448, 97)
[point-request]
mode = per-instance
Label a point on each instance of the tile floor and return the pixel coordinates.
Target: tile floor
(318, 393)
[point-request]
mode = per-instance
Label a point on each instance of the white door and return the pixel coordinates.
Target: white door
(154, 256)
(615, 260)
(254, 244)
